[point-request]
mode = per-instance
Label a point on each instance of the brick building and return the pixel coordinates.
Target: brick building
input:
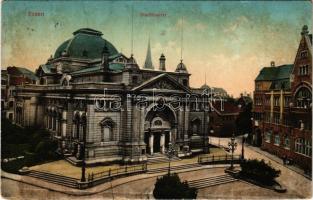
(282, 108)
(10, 78)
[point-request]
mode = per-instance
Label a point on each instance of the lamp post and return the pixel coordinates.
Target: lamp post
(170, 153)
(232, 145)
(252, 135)
(211, 132)
(244, 137)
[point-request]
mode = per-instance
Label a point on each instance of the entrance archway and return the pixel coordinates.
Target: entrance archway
(159, 125)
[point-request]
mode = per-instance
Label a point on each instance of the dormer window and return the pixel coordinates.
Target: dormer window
(185, 82)
(85, 53)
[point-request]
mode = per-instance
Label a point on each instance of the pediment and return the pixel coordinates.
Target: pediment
(163, 82)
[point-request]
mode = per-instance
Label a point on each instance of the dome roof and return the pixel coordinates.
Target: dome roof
(205, 86)
(181, 67)
(86, 44)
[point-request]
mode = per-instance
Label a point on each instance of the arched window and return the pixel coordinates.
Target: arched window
(303, 97)
(107, 129)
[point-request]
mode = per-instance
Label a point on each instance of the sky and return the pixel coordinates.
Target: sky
(228, 42)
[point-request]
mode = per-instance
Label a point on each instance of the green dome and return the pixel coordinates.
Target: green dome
(86, 44)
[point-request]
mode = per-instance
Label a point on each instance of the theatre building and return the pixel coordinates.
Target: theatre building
(89, 93)
(283, 107)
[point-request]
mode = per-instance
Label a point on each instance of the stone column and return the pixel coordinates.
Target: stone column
(162, 143)
(64, 115)
(170, 136)
(151, 143)
(57, 122)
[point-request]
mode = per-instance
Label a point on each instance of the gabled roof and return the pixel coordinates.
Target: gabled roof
(24, 71)
(275, 73)
(46, 68)
(158, 78)
(228, 108)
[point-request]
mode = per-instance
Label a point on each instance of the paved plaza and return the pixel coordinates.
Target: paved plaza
(297, 185)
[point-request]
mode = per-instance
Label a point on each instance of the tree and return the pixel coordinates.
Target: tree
(171, 187)
(243, 122)
(259, 171)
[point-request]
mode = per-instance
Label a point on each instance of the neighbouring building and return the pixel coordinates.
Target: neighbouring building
(10, 78)
(283, 107)
(88, 91)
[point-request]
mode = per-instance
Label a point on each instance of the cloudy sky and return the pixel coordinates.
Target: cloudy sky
(228, 41)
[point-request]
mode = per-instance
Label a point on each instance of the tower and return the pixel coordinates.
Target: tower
(148, 63)
(162, 63)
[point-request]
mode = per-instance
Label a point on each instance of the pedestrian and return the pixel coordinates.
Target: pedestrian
(284, 159)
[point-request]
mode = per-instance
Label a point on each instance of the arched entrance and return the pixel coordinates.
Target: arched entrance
(159, 129)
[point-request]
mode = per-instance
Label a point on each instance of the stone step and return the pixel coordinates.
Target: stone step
(161, 160)
(211, 178)
(59, 182)
(211, 181)
(54, 175)
(52, 178)
(173, 168)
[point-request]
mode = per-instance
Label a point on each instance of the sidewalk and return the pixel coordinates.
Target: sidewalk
(279, 161)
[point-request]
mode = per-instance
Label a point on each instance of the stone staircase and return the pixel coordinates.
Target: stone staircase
(211, 181)
(173, 168)
(160, 158)
(54, 178)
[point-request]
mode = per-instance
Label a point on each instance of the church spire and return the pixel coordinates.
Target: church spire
(148, 62)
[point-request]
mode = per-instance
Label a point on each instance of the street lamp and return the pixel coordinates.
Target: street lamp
(170, 153)
(232, 145)
(211, 132)
(244, 137)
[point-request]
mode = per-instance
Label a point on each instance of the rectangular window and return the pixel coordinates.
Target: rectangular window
(287, 142)
(267, 101)
(276, 101)
(287, 101)
(268, 136)
(276, 118)
(303, 146)
(304, 70)
(277, 140)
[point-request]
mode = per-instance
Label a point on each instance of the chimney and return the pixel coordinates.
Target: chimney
(304, 30)
(162, 63)
(272, 64)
